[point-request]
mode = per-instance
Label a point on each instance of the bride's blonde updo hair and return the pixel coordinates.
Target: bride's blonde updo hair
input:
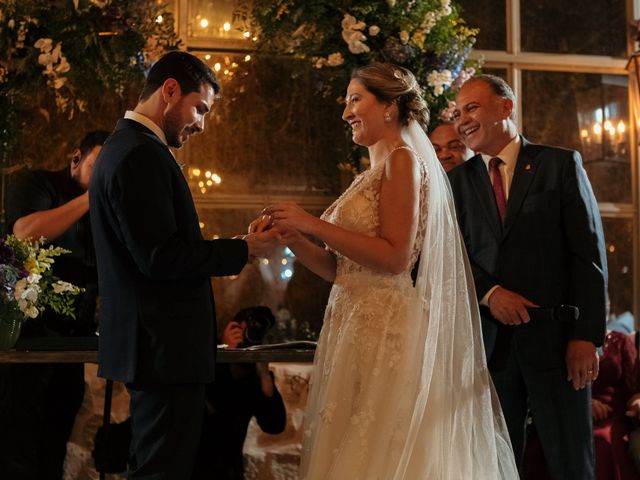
(391, 83)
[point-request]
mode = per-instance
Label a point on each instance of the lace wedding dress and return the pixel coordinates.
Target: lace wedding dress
(397, 393)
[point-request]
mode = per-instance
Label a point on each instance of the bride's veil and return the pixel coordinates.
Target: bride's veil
(457, 429)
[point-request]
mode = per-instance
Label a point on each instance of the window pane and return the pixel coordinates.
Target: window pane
(214, 19)
(596, 27)
(588, 113)
(618, 234)
(498, 72)
(271, 132)
(297, 296)
(490, 17)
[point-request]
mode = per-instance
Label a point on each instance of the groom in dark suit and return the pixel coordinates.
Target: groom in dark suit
(534, 238)
(157, 323)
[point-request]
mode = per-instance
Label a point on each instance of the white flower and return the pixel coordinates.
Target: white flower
(335, 59)
(374, 30)
(352, 35)
(61, 286)
(63, 66)
(404, 37)
(59, 82)
(439, 80)
(44, 44)
(355, 41)
(464, 75)
(349, 22)
(319, 62)
(446, 115)
(44, 59)
(429, 22)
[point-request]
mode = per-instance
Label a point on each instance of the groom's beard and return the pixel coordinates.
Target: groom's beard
(174, 127)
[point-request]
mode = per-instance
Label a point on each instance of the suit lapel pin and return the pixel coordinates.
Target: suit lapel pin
(527, 166)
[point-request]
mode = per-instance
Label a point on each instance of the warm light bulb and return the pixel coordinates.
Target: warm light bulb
(201, 224)
(196, 172)
(159, 19)
(204, 23)
(201, 184)
(203, 190)
(216, 178)
(207, 57)
(209, 183)
(584, 133)
(207, 174)
(217, 67)
(608, 125)
(597, 129)
(265, 261)
(621, 127)
(246, 34)
(226, 26)
(247, 58)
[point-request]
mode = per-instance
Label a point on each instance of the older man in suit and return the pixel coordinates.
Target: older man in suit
(157, 323)
(534, 237)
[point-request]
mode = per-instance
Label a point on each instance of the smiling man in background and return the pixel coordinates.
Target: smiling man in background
(533, 233)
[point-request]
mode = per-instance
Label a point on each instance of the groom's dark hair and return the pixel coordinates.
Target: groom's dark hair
(189, 71)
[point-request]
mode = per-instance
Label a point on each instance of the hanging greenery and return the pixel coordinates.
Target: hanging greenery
(428, 37)
(58, 55)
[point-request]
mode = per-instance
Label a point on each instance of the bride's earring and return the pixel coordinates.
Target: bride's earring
(387, 117)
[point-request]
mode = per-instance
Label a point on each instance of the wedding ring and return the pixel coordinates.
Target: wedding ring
(590, 372)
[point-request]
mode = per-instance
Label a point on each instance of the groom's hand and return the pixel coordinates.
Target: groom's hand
(262, 244)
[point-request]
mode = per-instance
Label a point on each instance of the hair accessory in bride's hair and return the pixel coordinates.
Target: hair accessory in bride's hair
(398, 74)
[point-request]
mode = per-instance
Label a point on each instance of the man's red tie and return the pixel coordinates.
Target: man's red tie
(498, 187)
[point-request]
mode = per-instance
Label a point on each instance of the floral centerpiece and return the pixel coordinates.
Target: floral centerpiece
(28, 286)
(59, 56)
(428, 37)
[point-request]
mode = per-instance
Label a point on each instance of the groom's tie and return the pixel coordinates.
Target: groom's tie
(498, 187)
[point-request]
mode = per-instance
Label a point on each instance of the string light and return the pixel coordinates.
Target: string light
(204, 23)
(226, 26)
(159, 19)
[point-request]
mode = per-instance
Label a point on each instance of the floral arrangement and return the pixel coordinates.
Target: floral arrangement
(59, 54)
(428, 37)
(27, 284)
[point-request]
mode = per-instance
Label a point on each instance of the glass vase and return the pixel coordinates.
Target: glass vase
(9, 332)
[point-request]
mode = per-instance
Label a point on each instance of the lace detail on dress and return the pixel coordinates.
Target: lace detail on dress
(357, 209)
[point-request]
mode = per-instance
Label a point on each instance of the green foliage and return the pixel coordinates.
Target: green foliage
(60, 53)
(428, 37)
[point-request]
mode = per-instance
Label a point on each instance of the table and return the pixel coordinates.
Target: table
(91, 356)
(223, 356)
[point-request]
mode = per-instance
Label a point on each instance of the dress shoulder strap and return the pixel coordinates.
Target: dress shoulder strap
(401, 147)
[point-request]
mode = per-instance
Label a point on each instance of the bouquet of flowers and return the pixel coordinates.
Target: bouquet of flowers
(28, 286)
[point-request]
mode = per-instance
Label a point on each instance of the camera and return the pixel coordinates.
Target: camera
(259, 320)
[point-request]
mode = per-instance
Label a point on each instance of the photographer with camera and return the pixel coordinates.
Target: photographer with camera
(240, 391)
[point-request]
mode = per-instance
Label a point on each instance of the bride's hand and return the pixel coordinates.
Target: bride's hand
(260, 224)
(288, 235)
(292, 215)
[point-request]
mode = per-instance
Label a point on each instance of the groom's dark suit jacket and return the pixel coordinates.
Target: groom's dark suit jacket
(157, 319)
(549, 250)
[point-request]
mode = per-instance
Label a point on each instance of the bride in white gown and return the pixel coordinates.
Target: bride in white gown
(400, 387)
